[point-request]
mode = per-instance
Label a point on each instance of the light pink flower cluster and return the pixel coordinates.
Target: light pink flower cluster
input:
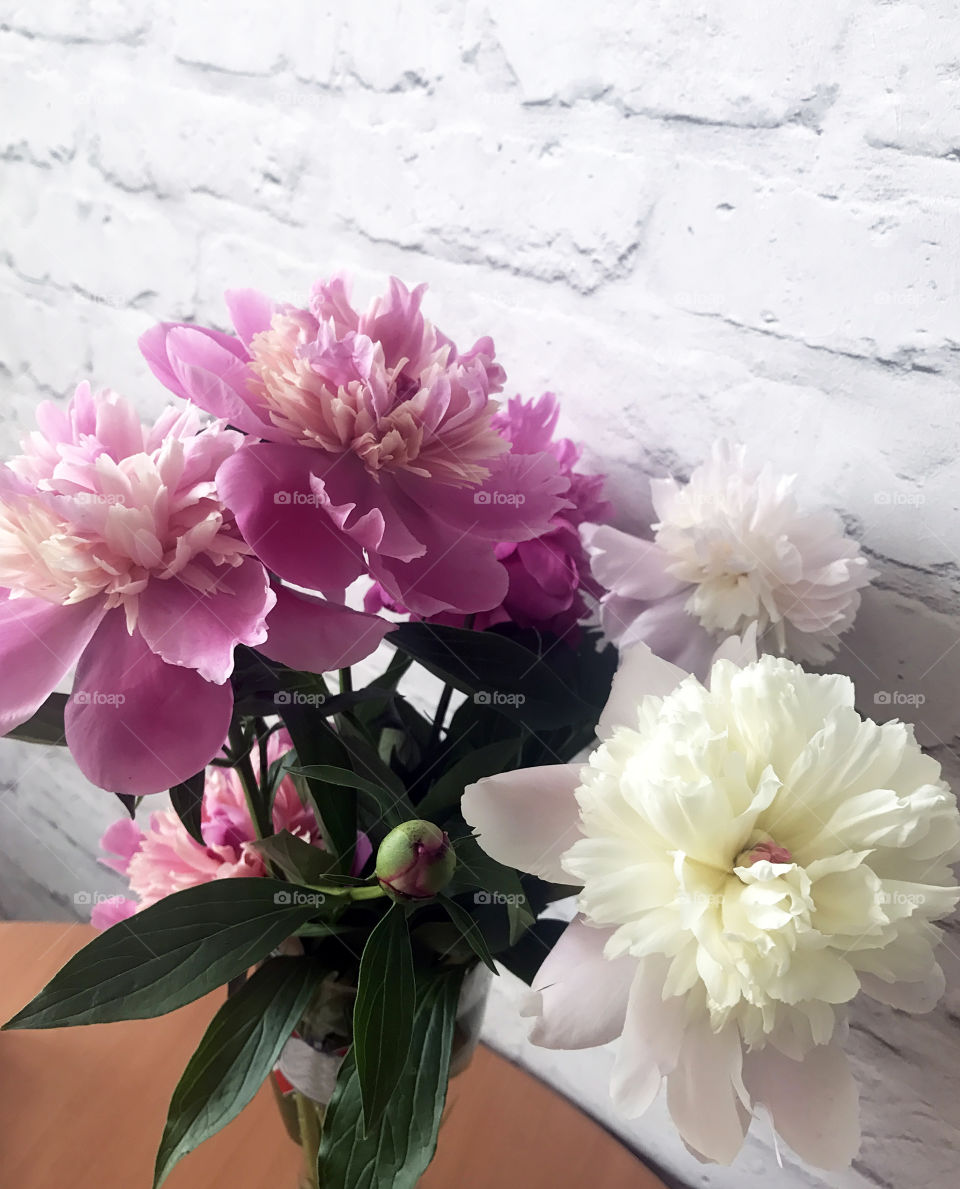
(164, 858)
(372, 446)
(119, 556)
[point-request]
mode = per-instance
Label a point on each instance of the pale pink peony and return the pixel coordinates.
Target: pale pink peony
(117, 556)
(372, 446)
(730, 548)
(549, 575)
(163, 858)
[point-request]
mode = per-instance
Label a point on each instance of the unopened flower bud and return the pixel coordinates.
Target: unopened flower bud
(415, 861)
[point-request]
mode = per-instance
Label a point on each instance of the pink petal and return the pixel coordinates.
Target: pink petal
(250, 312)
(629, 566)
(669, 630)
(580, 997)
(137, 725)
(652, 1036)
(40, 643)
(316, 636)
(213, 371)
(527, 819)
(702, 1091)
(200, 631)
(517, 503)
(814, 1102)
(122, 839)
(268, 489)
(641, 672)
(106, 913)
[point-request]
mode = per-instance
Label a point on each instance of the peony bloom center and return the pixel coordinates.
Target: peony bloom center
(98, 506)
(426, 412)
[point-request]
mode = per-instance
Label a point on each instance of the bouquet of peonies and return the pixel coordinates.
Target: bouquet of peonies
(349, 858)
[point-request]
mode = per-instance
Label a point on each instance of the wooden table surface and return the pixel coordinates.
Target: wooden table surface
(83, 1108)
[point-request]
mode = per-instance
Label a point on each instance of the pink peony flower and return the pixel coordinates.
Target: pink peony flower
(163, 858)
(372, 445)
(548, 575)
(118, 556)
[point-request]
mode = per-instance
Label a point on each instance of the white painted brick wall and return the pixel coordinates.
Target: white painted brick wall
(686, 218)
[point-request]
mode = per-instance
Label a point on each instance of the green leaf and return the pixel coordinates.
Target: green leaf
(445, 793)
(496, 672)
(315, 743)
(395, 1154)
(383, 1012)
(237, 1052)
(177, 950)
(394, 808)
(46, 725)
(296, 859)
(470, 931)
(187, 802)
(501, 885)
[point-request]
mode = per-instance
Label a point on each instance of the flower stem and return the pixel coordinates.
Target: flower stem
(438, 719)
(259, 814)
(346, 681)
(367, 892)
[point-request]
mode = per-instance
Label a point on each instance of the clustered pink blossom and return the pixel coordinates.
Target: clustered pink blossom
(548, 575)
(372, 447)
(119, 557)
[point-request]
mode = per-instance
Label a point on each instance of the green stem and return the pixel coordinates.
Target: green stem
(251, 790)
(367, 892)
(346, 681)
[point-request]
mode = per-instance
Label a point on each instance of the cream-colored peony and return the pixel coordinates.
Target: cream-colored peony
(731, 549)
(751, 856)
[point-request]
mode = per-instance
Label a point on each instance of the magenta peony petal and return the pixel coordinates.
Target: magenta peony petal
(454, 575)
(185, 627)
(39, 645)
(268, 488)
(316, 636)
(575, 973)
(517, 503)
(136, 724)
(212, 370)
(250, 312)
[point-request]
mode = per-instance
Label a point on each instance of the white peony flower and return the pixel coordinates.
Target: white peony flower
(751, 856)
(731, 548)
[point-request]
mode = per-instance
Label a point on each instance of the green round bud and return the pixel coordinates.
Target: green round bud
(415, 861)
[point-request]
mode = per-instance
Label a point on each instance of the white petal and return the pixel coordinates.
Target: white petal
(814, 1102)
(702, 1092)
(580, 997)
(741, 650)
(651, 1040)
(527, 819)
(640, 673)
(629, 566)
(920, 996)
